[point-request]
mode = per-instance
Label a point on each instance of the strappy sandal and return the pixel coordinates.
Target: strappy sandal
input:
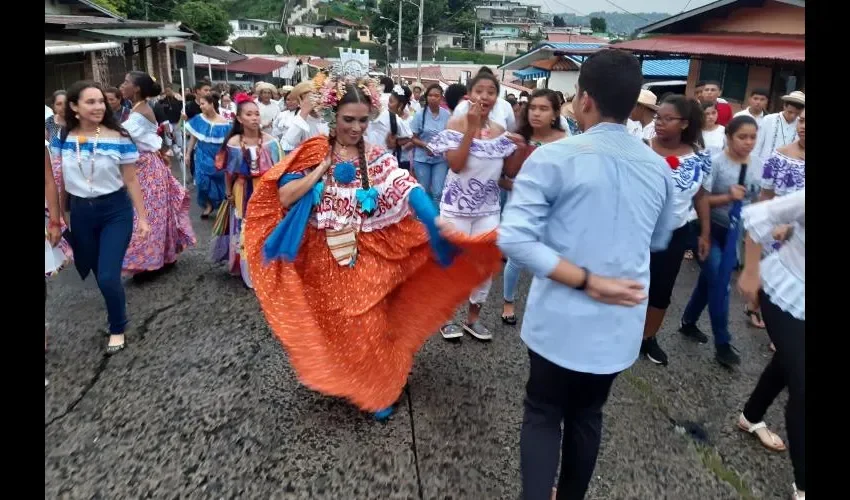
(759, 322)
(768, 439)
(509, 319)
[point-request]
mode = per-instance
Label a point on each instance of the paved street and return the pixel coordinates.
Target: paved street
(203, 405)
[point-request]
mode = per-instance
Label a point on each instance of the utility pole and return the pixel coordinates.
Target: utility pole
(419, 43)
(474, 33)
(387, 45)
(398, 66)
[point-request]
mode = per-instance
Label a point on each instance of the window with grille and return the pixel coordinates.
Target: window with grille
(731, 75)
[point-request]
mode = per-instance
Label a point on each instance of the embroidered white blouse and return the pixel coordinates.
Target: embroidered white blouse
(102, 164)
(783, 273)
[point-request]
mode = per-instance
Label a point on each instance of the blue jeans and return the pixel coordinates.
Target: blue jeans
(510, 280)
(101, 229)
(432, 178)
(707, 286)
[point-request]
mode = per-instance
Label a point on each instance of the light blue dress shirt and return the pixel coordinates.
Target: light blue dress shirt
(601, 200)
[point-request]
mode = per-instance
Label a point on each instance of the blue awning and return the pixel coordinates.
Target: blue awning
(531, 73)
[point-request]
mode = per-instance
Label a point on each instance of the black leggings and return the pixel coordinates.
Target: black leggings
(664, 266)
(787, 368)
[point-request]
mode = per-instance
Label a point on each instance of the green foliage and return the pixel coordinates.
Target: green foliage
(116, 6)
(209, 19)
(305, 46)
(598, 24)
(558, 22)
(457, 55)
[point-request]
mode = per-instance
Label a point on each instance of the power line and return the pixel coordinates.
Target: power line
(627, 12)
(686, 6)
(562, 4)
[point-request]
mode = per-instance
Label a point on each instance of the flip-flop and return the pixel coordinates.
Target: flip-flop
(750, 313)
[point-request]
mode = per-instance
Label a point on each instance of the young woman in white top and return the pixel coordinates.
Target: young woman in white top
(678, 129)
(99, 172)
(713, 135)
(290, 110)
(779, 283)
(476, 149)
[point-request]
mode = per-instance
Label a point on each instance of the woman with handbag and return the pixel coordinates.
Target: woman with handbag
(246, 155)
(99, 174)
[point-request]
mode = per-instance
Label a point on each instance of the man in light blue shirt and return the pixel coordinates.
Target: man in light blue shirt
(584, 215)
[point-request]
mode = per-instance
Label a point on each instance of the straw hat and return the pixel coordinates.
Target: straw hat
(285, 89)
(648, 99)
(417, 85)
(301, 89)
(795, 97)
(261, 86)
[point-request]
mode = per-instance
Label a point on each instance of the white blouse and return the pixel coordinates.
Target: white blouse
(783, 273)
(102, 164)
(299, 130)
(143, 133)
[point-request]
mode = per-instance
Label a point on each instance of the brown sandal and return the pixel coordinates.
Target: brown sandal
(768, 439)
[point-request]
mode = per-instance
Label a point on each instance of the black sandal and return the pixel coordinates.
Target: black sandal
(510, 319)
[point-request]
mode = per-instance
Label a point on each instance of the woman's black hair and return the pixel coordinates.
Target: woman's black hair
(71, 120)
(237, 128)
(560, 98)
(147, 87)
(736, 123)
(691, 111)
(453, 94)
(211, 98)
(525, 128)
(388, 84)
(355, 95)
(484, 73)
(404, 97)
(433, 86)
(707, 104)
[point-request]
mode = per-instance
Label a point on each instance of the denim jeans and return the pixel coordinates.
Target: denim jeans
(708, 285)
(101, 229)
(432, 178)
(510, 280)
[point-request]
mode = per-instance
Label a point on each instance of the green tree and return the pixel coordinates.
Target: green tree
(558, 22)
(209, 19)
(598, 25)
(115, 6)
(432, 18)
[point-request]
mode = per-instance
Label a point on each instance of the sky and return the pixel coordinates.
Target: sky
(587, 6)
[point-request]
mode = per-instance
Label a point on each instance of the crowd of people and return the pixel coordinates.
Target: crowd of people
(364, 213)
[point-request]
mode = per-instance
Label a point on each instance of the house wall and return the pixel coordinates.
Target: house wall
(758, 77)
(774, 17)
(565, 81)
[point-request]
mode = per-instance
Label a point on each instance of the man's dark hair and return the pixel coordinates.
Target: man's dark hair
(201, 84)
(454, 93)
(613, 78)
(761, 92)
(713, 82)
(699, 84)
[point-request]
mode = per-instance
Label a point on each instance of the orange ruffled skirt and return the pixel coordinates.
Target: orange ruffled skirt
(353, 332)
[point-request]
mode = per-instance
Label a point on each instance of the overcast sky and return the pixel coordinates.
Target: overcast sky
(587, 6)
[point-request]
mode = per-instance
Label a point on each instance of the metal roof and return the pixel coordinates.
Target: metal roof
(714, 9)
(84, 22)
(531, 73)
(208, 51)
(139, 33)
(755, 47)
(658, 68)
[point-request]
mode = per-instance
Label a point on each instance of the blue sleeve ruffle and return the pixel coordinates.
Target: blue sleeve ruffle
(426, 212)
(285, 240)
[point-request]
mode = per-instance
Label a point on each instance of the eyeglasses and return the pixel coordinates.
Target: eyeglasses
(667, 119)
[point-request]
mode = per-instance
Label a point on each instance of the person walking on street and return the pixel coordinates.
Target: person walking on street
(584, 214)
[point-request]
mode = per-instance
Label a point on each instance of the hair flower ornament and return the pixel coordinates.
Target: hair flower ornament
(330, 90)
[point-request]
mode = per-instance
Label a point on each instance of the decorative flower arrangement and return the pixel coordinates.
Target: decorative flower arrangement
(241, 97)
(673, 161)
(331, 89)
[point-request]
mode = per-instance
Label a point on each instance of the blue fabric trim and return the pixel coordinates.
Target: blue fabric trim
(426, 212)
(122, 145)
(206, 131)
(285, 241)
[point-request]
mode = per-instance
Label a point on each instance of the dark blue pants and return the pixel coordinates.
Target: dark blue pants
(712, 291)
(101, 229)
(554, 396)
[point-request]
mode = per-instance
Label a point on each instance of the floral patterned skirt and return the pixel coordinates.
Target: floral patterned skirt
(167, 204)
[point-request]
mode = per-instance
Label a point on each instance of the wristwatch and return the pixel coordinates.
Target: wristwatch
(584, 281)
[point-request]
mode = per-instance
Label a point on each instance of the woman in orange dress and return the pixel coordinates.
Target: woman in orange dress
(353, 275)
